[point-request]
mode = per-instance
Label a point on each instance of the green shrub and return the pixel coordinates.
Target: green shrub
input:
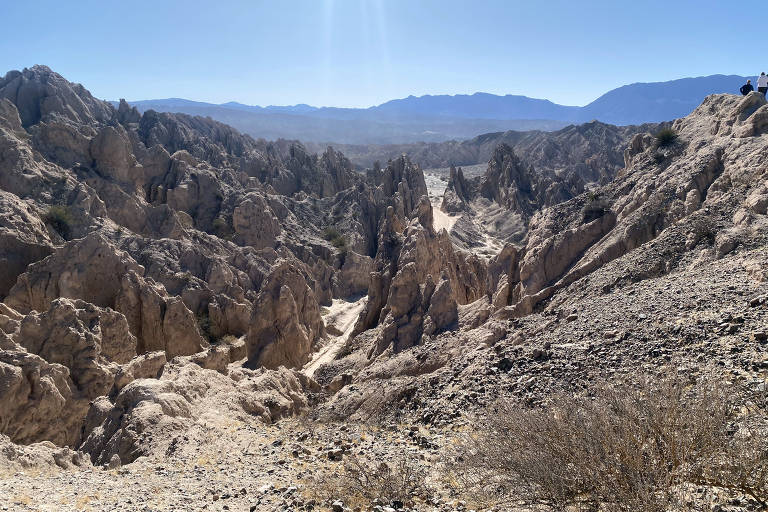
(666, 137)
(337, 239)
(204, 322)
(222, 228)
(60, 219)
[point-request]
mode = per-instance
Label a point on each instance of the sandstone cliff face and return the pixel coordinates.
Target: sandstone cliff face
(286, 320)
(93, 270)
(54, 363)
(36, 400)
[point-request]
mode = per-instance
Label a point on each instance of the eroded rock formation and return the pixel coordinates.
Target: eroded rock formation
(165, 278)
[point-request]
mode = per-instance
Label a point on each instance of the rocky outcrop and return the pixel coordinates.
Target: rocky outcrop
(352, 277)
(148, 413)
(82, 337)
(145, 366)
(55, 362)
(286, 320)
(254, 223)
(500, 203)
(336, 173)
(162, 271)
(517, 186)
(93, 270)
(38, 400)
(40, 94)
(665, 190)
(133, 240)
(87, 269)
(44, 456)
(403, 182)
(457, 192)
(592, 151)
(418, 282)
(23, 240)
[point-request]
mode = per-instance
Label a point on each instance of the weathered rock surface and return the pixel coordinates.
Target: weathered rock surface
(148, 413)
(286, 320)
(38, 400)
(82, 337)
(94, 270)
(404, 299)
(457, 192)
(687, 196)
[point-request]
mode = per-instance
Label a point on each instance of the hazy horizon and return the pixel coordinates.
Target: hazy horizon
(410, 95)
(344, 53)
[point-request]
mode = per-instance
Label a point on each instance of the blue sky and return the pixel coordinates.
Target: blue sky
(363, 52)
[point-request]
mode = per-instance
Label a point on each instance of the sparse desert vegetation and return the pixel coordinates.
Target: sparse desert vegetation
(623, 447)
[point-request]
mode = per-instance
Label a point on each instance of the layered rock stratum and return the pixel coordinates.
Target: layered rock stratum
(183, 303)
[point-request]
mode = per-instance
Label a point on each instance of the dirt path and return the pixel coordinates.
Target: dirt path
(342, 315)
(442, 220)
(436, 189)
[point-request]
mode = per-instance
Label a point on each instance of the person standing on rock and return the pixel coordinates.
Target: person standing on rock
(746, 88)
(762, 83)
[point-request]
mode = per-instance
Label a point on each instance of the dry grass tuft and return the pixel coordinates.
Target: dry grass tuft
(360, 482)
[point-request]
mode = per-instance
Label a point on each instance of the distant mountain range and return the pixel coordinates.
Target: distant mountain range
(445, 117)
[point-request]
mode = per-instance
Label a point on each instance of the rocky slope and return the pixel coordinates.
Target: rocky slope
(672, 221)
(173, 291)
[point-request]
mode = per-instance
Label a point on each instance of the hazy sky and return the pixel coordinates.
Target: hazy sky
(364, 52)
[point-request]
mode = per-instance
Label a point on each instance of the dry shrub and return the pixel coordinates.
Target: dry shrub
(595, 208)
(701, 228)
(60, 219)
(628, 448)
(360, 482)
(228, 339)
(666, 137)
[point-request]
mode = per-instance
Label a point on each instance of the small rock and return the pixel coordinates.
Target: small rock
(114, 462)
